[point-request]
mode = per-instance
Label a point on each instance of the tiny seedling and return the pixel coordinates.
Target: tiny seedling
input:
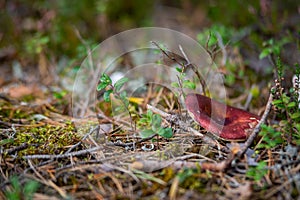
(271, 137)
(257, 172)
(110, 88)
(272, 47)
(183, 82)
(152, 124)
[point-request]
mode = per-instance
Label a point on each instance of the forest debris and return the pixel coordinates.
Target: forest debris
(150, 165)
(242, 192)
(21, 90)
(173, 119)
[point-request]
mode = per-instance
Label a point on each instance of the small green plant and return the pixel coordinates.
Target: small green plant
(286, 104)
(36, 44)
(271, 137)
(183, 82)
(257, 172)
(210, 36)
(110, 88)
(152, 124)
(272, 48)
(19, 192)
(106, 83)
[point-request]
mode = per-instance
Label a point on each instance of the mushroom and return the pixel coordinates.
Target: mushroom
(227, 122)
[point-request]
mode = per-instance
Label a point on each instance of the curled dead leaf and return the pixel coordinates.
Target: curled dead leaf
(20, 91)
(226, 122)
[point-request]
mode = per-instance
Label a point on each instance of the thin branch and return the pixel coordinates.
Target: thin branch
(258, 126)
(61, 191)
(80, 142)
(132, 143)
(17, 148)
(77, 153)
(184, 66)
(185, 56)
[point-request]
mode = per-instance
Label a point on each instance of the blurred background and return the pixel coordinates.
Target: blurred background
(42, 41)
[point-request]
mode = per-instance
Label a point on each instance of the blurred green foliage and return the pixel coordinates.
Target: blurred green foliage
(30, 26)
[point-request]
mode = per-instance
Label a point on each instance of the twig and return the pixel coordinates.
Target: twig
(258, 126)
(185, 56)
(18, 148)
(132, 143)
(77, 153)
(231, 157)
(80, 142)
(173, 119)
(195, 70)
(184, 66)
(48, 182)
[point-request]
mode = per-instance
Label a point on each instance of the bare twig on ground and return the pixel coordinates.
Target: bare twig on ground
(48, 182)
(258, 126)
(80, 142)
(77, 153)
(17, 148)
(132, 143)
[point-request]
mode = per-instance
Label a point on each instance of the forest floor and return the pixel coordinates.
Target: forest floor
(57, 144)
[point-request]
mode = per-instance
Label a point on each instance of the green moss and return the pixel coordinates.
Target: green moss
(46, 139)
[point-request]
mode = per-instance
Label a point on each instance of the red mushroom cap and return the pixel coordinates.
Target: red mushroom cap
(226, 122)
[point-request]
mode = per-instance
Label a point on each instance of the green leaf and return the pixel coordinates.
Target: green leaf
(188, 84)
(16, 184)
(276, 50)
(285, 99)
(295, 115)
(106, 79)
(149, 114)
(30, 188)
(179, 69)
(123, 95)
(119, 84)
(156, 122)
(255, 91)
(101, 86)
(258, 172)
(6, 141)
(165, 132)
(106, 95)
(277, 101)
(291, 104)
(119, 109)
(175, 84)
(124, 99)
(265, 52)
(147, 133)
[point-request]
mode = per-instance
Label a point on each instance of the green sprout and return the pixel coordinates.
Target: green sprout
(152, 124)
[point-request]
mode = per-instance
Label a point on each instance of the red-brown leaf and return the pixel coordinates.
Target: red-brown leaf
(227, 122)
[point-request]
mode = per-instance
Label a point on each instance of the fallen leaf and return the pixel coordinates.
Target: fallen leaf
(226, 122)
(20, 91)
